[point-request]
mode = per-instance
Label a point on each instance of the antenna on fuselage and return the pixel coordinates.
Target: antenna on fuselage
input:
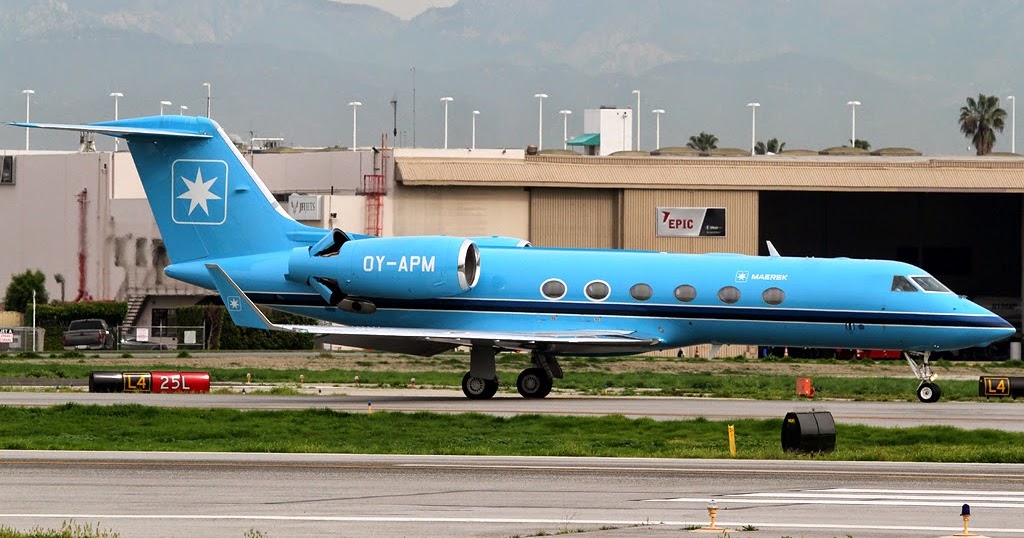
(772, 251)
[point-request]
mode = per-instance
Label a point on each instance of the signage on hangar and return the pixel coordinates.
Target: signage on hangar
(690, 222)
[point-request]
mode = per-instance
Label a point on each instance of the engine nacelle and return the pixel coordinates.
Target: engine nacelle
(423, 267)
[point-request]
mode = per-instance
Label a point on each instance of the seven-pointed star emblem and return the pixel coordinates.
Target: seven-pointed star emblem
(198, 192)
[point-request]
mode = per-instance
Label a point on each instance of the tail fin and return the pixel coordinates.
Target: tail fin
(208, 202)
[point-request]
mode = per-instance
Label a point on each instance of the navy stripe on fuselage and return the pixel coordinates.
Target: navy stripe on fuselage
(680, 312)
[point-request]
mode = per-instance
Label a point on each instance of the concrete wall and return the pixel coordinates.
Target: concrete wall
(462, 211)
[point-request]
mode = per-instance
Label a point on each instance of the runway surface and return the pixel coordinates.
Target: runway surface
(1001, 415)
(183, 494)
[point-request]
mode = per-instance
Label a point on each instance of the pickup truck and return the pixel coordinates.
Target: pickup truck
(88, 334)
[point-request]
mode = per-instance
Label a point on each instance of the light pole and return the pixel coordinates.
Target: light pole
(182, 109)
(637, 92)
(475, 114)
(565, 127)
(28, 108)
(853, 122)
(162, 105)
(540, 119)
(446, 100)
(1013, 124)
(753, 126)
(209, 89)
(657, 127)
(116, 96)
(355, 106)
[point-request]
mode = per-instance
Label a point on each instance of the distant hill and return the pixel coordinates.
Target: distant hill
(289, 67)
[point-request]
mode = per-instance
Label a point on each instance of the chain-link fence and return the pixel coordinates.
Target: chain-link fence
(18, 339)
(157, 338)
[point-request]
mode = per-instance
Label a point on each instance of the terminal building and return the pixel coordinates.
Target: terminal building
(83, 214)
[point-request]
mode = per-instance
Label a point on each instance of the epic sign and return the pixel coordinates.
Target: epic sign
(690, 221)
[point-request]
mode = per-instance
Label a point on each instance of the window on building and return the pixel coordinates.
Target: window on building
(7, 170)
(161, 321)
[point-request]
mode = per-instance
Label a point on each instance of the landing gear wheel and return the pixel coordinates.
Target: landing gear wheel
(929, 392)
(533, 383)
(476, 388)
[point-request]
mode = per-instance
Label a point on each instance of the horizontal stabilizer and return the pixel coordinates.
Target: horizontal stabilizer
(118, 129)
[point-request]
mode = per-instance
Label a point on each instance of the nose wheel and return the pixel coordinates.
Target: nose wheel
(927, 391)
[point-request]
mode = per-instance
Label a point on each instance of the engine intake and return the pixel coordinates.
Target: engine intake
(423, 267)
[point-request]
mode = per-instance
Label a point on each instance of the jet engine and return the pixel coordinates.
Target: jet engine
(350, 273)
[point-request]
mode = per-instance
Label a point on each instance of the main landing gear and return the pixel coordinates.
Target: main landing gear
(481, 381)
(927, 391)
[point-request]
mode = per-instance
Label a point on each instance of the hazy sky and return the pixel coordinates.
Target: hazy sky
(405, 9)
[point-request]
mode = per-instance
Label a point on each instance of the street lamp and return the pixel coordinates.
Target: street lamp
(1013, 124)
(446, 100)
(116, 96)
(753, 126)
(355, 106)
(28, 107)
(657, 127)
(540, 119)
(565, 127)
(637, 92)
(162, 105)
(182, 109)
(475, 114)
(853, 121)
(209, 89)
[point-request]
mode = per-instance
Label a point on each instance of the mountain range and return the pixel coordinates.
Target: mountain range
(290, 67)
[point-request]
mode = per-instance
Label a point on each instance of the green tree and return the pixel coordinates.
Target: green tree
(771, 146)
(703, 141)
(980, 119)
(19, 291)
(862, 144)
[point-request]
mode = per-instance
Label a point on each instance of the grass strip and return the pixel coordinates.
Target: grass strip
(731, 382)
(136, 427)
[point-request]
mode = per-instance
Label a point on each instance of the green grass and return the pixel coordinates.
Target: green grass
(68, 529)
(135, 427)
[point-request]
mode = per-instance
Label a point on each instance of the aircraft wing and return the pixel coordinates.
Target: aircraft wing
(423, 341)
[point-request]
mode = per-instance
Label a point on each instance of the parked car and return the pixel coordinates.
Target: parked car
(88, 334)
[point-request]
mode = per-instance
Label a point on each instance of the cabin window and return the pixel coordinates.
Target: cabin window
(553, 289)
(929, 283)
(641, 292)
(686, 293)
(597, 290)
(900, 283)
(773, 296)
(729, 294)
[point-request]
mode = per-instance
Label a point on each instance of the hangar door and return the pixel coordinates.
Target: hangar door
(584, 218)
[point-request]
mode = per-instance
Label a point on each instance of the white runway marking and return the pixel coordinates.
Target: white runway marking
(535, 521)
(871, 497)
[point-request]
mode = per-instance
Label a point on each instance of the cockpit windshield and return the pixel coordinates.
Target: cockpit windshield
(929, 283)
(900, 283)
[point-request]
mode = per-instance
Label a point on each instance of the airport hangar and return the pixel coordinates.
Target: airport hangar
(960, 218)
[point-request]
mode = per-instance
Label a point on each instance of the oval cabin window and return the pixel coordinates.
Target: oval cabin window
(729, 294)
(641, 292)
(773, 296)
(597, 290)
(686, 293)
(553, 289)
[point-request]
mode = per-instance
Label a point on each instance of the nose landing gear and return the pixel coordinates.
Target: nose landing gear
(927, 391)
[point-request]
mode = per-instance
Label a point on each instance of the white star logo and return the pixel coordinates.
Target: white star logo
(234, 303)
(198, 192)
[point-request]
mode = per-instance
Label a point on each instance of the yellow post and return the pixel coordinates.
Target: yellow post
(357, 381)
(369, 407)
(302, 378)
(732, 441)
(248, 378)
(414, 382)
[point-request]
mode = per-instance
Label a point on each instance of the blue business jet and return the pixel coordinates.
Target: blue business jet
(424, 295)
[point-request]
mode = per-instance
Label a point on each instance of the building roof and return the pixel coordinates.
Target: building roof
(586, 139)
(969, 174)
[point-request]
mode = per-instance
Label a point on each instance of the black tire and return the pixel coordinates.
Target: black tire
(479, 389)
(929, 392)
(533, 383)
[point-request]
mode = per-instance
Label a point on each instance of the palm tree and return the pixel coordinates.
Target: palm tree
(980, 119)
(703, 141)
(771, 146)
